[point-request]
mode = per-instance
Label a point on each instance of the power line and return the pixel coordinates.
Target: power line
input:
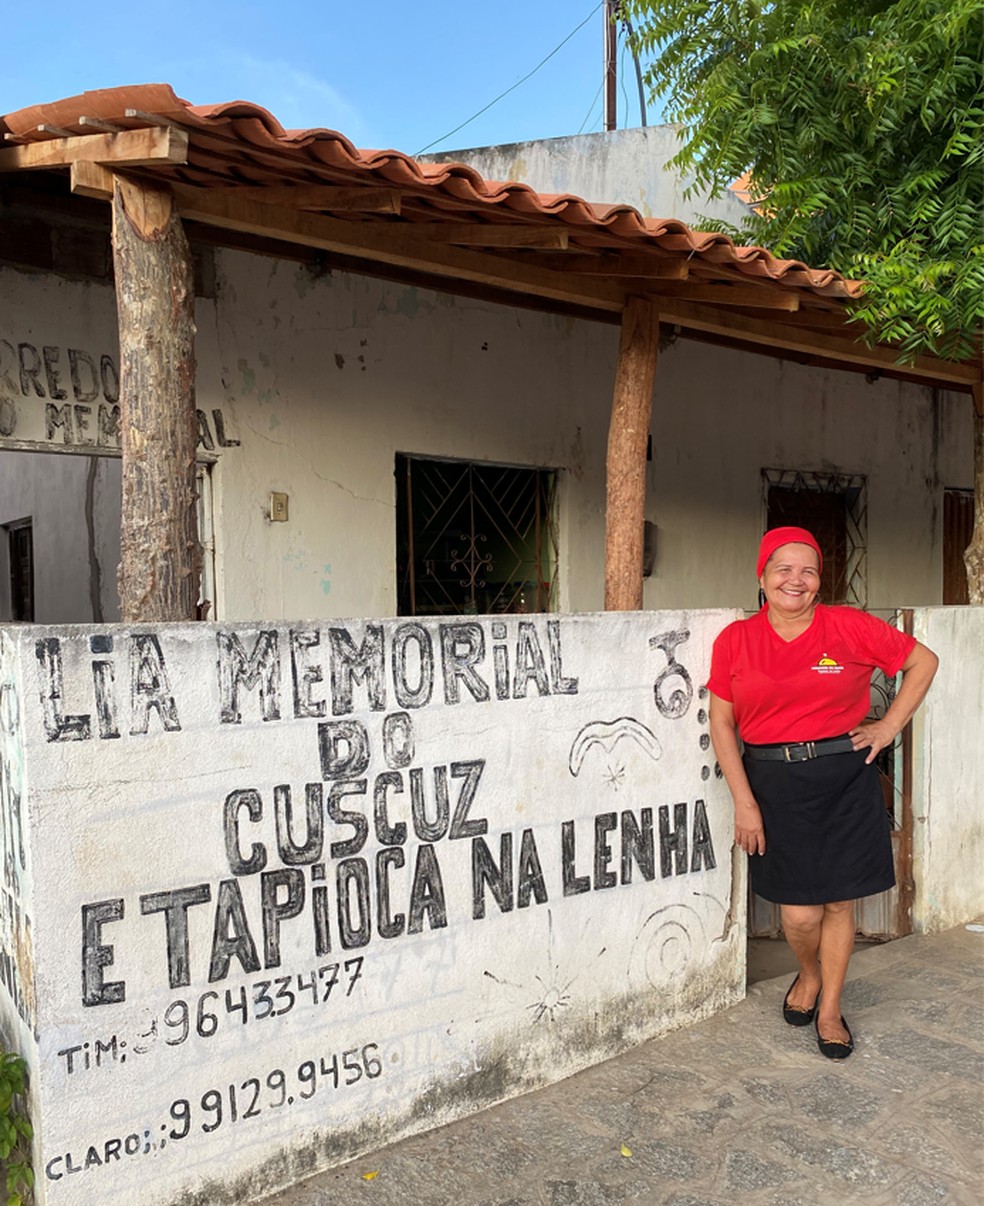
(587, 115)
(514, 86)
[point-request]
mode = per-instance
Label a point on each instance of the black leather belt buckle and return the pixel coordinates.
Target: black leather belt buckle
(801, 752)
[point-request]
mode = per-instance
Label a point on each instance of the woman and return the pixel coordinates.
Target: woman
(793, 683)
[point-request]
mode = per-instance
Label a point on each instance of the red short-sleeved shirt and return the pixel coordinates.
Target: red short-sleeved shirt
(812, 687)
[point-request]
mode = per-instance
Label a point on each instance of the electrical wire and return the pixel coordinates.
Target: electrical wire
(529, 74)
(587, 115)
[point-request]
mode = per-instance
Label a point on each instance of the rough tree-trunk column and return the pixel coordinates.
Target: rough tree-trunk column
(974, 554)
(627, 437)
(160, 560)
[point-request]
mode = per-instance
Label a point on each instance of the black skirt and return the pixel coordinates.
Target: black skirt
(827, 832)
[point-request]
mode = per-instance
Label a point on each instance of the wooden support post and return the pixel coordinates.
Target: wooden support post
(160, 560)
(974, 554)
(628, 434)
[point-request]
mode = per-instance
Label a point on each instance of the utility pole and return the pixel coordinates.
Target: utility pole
(611, 63)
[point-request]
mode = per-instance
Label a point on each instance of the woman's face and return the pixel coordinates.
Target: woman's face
(791, 580)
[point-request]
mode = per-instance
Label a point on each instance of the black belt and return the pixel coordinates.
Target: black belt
(800, 751)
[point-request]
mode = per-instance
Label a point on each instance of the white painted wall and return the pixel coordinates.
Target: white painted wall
(323, 380)
(73, 503)
(948, 796)
(626, 167)
(129, 750)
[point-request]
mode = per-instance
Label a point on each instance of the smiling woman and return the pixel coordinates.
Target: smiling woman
(793, 682)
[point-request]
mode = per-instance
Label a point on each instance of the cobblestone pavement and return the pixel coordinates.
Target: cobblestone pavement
(737, 1109)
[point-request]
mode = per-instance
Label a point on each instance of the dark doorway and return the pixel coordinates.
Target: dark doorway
(958, 527)
(832, 507)
(20, 550)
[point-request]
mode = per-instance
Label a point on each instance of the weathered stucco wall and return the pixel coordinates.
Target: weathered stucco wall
(625, 167)
(948, 795)
(74, 506)
(298, 890)
(312, 384)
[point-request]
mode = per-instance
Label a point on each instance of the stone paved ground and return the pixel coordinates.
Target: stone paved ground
(738, 1109)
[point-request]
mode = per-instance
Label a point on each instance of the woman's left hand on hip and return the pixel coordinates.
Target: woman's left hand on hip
(875, 734)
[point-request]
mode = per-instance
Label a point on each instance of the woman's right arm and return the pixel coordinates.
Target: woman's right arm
(749, 832)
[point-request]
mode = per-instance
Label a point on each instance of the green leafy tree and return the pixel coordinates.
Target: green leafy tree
(860, 125)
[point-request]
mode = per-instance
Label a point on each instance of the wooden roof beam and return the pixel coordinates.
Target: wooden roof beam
(804, 341)
(756, 297)
(320, 196)
(654, 267)
(489, 234)
(129, 148)
(397, 244)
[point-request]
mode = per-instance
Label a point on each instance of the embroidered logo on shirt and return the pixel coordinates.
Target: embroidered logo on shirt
(827, 665)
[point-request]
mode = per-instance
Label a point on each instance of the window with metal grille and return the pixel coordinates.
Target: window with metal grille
(833, 506)
(474, 538)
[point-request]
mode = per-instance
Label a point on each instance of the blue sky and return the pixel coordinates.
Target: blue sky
(387, 74)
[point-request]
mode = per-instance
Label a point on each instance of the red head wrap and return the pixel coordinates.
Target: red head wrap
(776, 537)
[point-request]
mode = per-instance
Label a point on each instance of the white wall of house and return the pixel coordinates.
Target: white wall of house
(73, 504)
(948, 796)
(319, 382)
(216, 997)
(625, 167)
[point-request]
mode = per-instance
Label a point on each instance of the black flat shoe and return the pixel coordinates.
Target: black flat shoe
(797, 1015)
(835, 1048)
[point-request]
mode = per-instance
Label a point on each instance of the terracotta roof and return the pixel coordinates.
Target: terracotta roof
(239, 143)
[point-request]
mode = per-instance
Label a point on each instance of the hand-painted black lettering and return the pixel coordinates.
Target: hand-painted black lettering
(354, 917)
(703, 848)
(52, 372)
(603, 825)
(220, 432)
(340, 816)
(59, 416)
(389, 835)
(97, 955)
(149, 686)
(231, 937)
(30, 369)
(461, 826)
(204, 432)
(426, 830)
(236, 670)
(560, 684)
(398, 742)
(672, 843)
(104, 682)
(404, 664)
(57, 726)
(80, 366)
(304, 674)
(175, 905)
(248, 798)
(344, 748)
(529, 873)
(462, 648)
(290, 852)
(363, 665)
(275, 911)
(388, 926)
(574, 884)
(530, 664)
(109, 426)
(638, 845)
(426, 893)
(109, 378)
(498, 876)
